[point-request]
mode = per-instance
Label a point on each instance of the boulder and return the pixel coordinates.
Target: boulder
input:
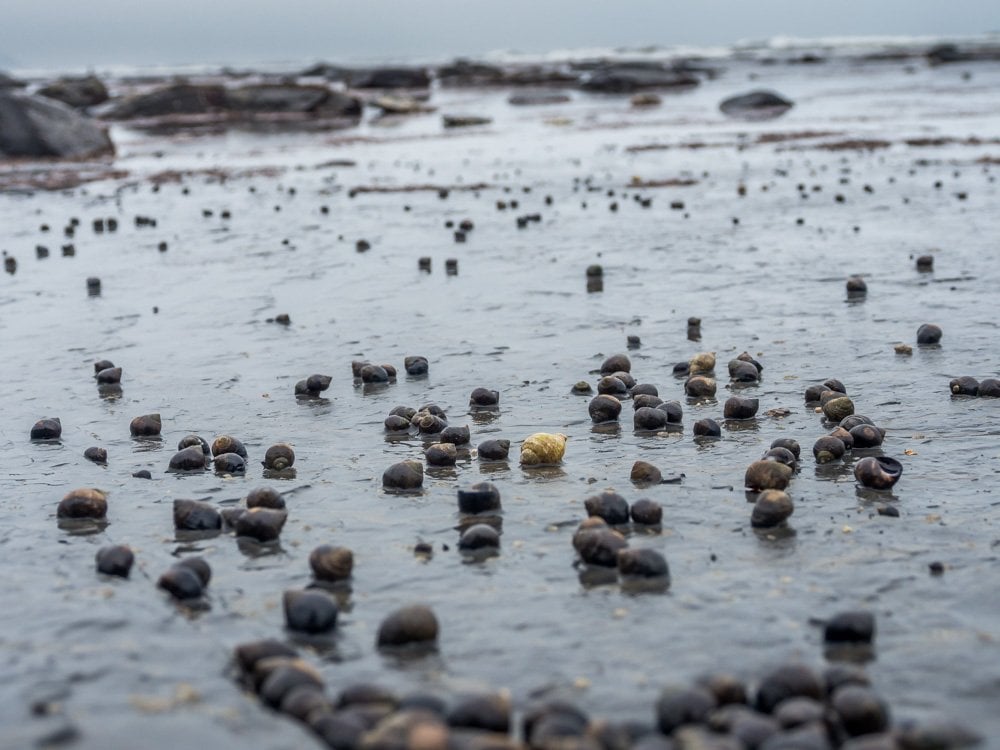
(77, 92)
(6, 82)
(756, 105)
(470, 73)
(316, 100)
(537, 98)
(33, 126)
(327, 71)
(390, 78)
(175, 99)
(625, 78)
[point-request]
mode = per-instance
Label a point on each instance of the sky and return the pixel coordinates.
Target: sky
(68, 34)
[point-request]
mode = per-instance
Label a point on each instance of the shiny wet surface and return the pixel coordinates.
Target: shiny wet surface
(92, 660)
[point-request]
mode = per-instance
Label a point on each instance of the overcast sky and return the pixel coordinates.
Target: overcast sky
(70, 33)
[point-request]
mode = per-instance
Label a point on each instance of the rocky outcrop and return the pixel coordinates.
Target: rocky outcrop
(756, 105)
(6, 82)
(277, 98)
(78, 93)
(390, 78)
(32, 126)
(537, 98)
(468, 73)
(176, 99)
(626, 78)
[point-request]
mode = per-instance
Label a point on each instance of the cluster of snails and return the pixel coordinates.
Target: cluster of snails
(226, 454)
(969, 386)
(854, 434)
(767, 479)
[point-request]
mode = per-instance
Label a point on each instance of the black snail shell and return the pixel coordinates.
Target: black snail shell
(644, 389)
(767, 475)
(925, 263)
(597, 544)
(878, 473)
(648, 418)
(827, 449)
(609, 505)
(279, 457)
(843, 436)
(707, 428)
(186, 579)
(852, 421)
(678, 706)
(405, 475)
(626, 378)
(103, 364)
(773, 507)
(860, 711)
(781, 455)
(789, 444)
(312, 611)
(115, 560)
(647, 512)
(644, 473)
(929, 333)
(604, 408)
(195, 515)
(612, 386)
(673, 410)
(396, 423)
(86, 502)
(230, 463)
(228, 444)
(147, 425)
(699, 386)
(616, 363)
(434, 409)
(479, 536)
(109, 376)
(96, 454)
(855, 626)
(743, 372)
(416, 365)
(645, 399)
(330, 563)
(374, 374)
(493, 450)
(790, 680)
(191, 458)
(46, 429)
(356, 367)
(455, 435)
(856, 287)
(262, 524)
(484, 397)
(737, 407)
(866, 436)
(318, 383)
(194, 440)
(265, 497)
(747, 357)
(479, 498)
(582, 388)
(413, 624)
(441, 454)
(964, 386)
(642, 563)
(989, 388)
(429, 424)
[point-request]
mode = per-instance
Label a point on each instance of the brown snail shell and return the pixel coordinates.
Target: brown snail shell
(878, 473)
(374, 374)
(773, 507)
(604, 408)
(767, 475)
(644, 473)
(441, 454)
(265, 497)
(964, 386)
(429, 424)
(989, 388)
(781, 455)
(645, 399)
(357, 365)
(311, 611)
(626, 378)
(646, 512)
(189, 440)
(743, 372)
(702, 363)
(181, 582)
(599, 546)
(405, 475)
(86, 502)
(789, 444)
(642, 563)
(279, 457)
(856, 287)
(828, 448)
(707, 428)
(331, 563)
(434, 409)
(845, 437)
(147, 425)
(115, 560)
(866, 436)
(195, 515)
(838, 408)
(109, 376)
(413, 624)
(230, 463)
(406, 412)
(479, 498)
(103, 364)
(416, 365)
(228, 444)
(612, 386)
(853, 420)
(737, 407)
(699, 386)
(609, 505)
(96, 454)
(49, 428)
(493, 450)
(484, 397)
(616, 363)
(455, 435)
(262, 524)
(189, 459)
(644, 389)
(396, 423)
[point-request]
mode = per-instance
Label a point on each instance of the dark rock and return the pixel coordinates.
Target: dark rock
(537, 98)
(989, 388)
(490, 712)
(798, 711)
(301, 701)
(175, 99)
(755, 105)
(78, 93)
(284, 679)
(743, 372)
(248, 654)
(682, 705)
(115, 560)
(390, 78)
(627, 77)
(311, 611)
(317, 101)
(860, 710)
(412, 624)
(33, 126)
(788, 444)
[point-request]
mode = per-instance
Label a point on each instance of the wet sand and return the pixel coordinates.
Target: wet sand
(105, 658)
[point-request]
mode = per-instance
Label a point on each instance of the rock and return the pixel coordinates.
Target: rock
(78, 93)
(464, 121)
(35, 126)
(313, 100)
(175, 99)
(856, 626)
(400, 105)
(755, 105)
(537, 98)
(7, 82)
(627, 77)
(390, 78)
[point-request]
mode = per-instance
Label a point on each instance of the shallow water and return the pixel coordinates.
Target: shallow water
(104, 658)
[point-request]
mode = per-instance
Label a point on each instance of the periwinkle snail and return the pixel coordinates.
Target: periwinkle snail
(86, 502)
(194, 440)
(479, 498)
(838, 408)
(604, 408)
(827, 449)
(405, 475)
(493, 450)
(989, 388)
(609, 505)
(673, 410)
(648, 418)
(598, 544)
(479, 536)
(743, 372)
(878, 473)
(147, 425)
(612, 386)
(441, 454)
(313, 385)
(929, 333)
(115, 560)
(767, 475)
(279, 457)
(866, 436)
(228, 444)
(856, 287)
(642, 563)
(331, 563)
(455, 435)
(644, 389)
(109, 376)
(964, 386)
(192, 458)
(706, 428)
(196, 515)
(616, 363)
(186, 579)
(645, 399)
(484, 398)
(737, 407)
(773, 507)
(49, 428)
(788, 444)
(230, 463)
(416, 365)
(261, 524)
(699, 386)
(312, 611)
(413, 624)
(265, 497)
